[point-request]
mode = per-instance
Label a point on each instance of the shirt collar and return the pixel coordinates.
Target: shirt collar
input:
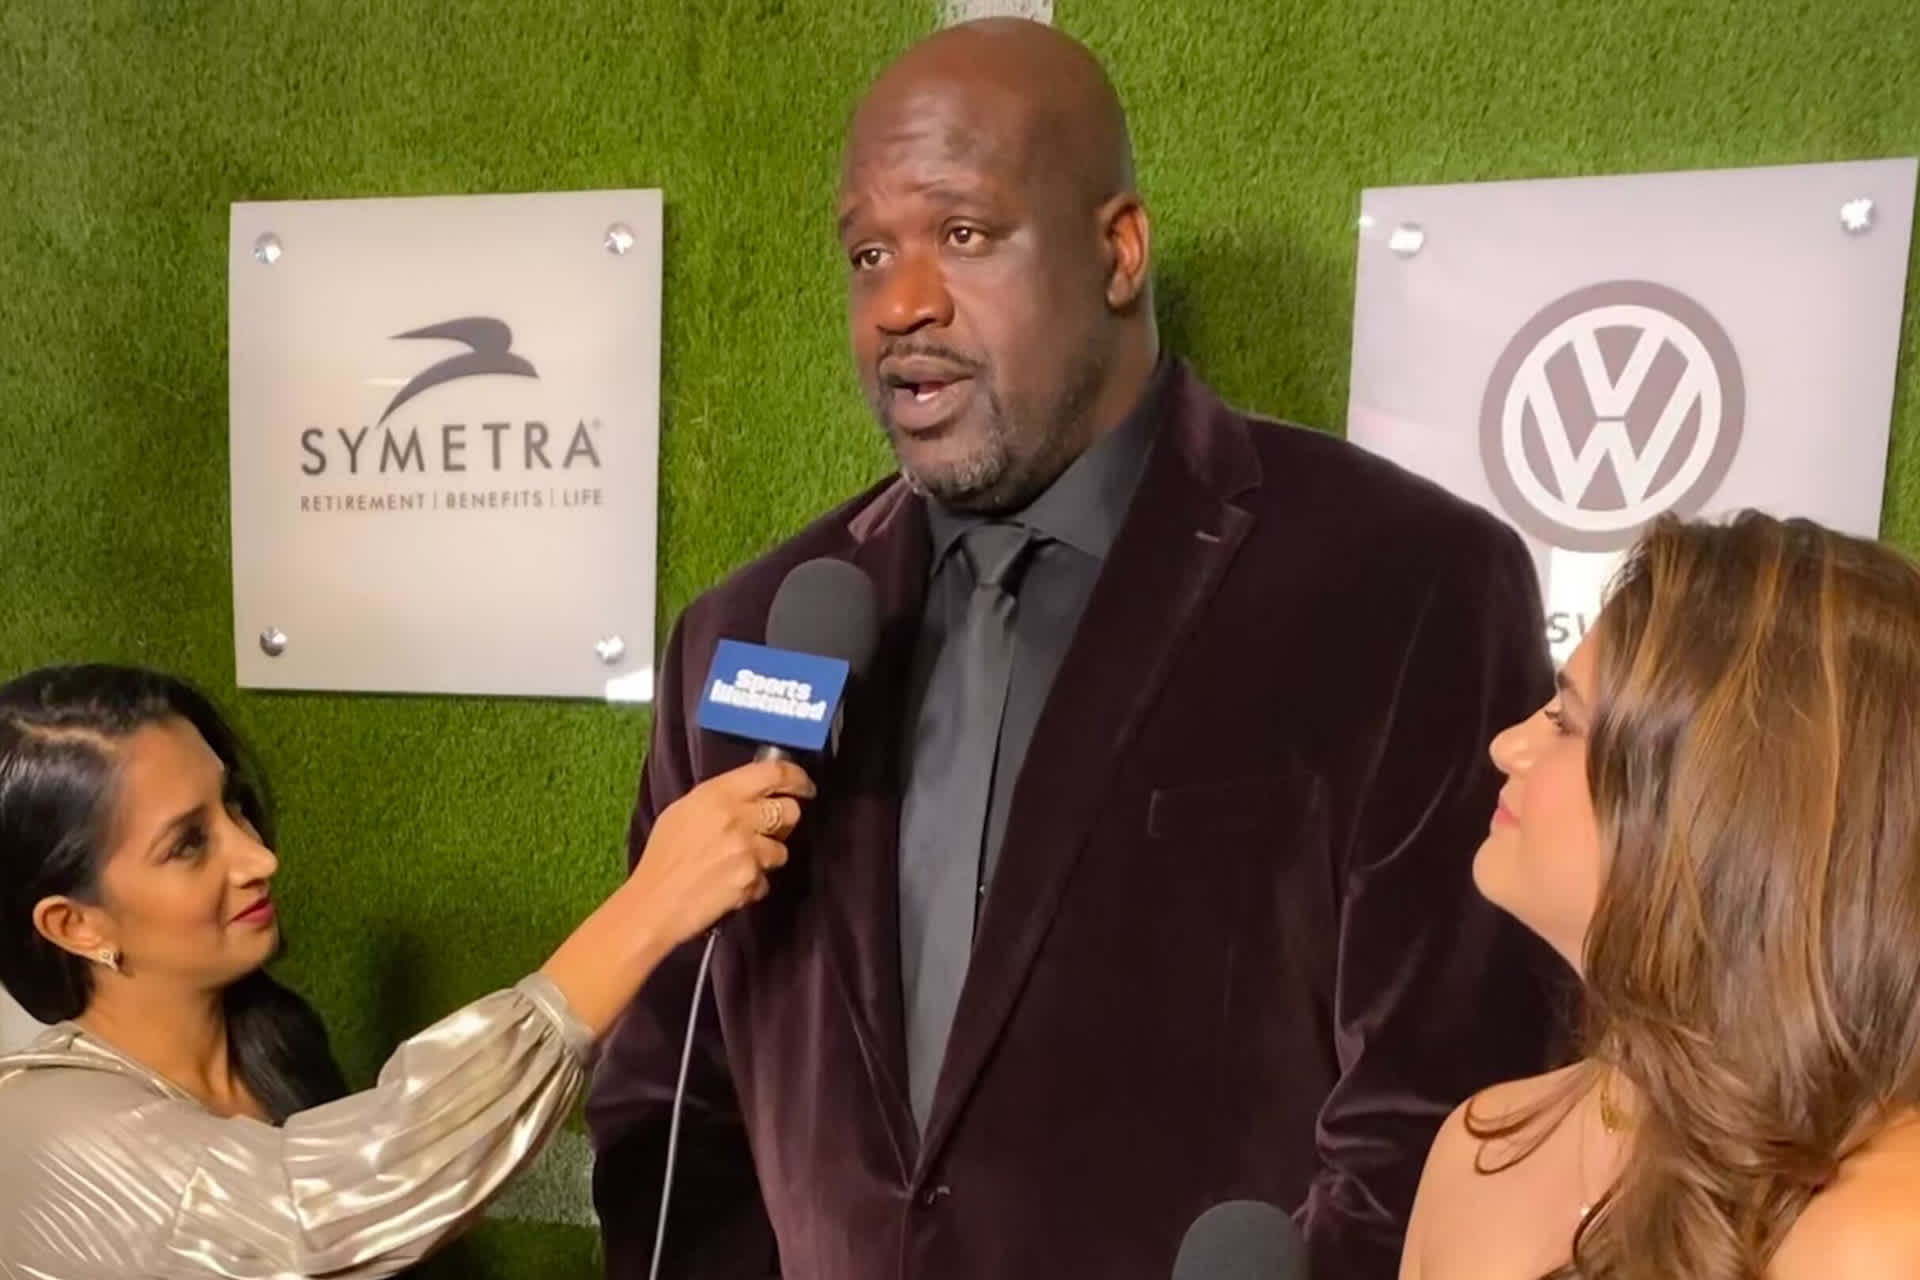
(1087, 502)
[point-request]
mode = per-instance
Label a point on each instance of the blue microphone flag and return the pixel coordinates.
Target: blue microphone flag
(772, 695)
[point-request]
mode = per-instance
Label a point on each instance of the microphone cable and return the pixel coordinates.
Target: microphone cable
(679, 1100)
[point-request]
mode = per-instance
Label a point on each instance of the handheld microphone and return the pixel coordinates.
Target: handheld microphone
(822, 629)
(785, 695)
(1241, 1240)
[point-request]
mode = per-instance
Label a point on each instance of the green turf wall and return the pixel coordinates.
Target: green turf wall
(434, 848)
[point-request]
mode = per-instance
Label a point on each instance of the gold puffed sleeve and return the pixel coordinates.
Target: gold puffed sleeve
(107, 1170)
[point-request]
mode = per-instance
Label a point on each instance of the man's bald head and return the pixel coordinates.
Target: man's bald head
(998, 292)
(1041, 91)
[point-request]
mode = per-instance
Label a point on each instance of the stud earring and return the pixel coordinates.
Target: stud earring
(110, 957)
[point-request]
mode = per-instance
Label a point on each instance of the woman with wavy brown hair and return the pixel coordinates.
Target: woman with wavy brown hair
(1716, 821)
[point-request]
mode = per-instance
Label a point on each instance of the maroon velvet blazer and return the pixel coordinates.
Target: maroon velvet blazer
(1233, 949)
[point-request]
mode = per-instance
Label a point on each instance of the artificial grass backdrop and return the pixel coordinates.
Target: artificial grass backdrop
(435, 849)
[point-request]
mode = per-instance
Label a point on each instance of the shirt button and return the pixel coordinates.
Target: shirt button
(934, 1195)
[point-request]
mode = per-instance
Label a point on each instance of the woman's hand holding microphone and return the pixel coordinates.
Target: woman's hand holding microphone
(711, 850)
(709, 854)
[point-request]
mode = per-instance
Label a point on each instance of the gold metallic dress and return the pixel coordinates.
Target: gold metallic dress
(107, 1170)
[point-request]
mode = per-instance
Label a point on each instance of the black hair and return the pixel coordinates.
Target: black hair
(58, 776)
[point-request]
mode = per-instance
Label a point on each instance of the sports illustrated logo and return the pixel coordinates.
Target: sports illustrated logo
(488, 342)
(771, 695)
(789, 699)
(1614, 404)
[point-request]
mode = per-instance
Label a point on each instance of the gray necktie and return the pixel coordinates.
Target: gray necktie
(944, 813)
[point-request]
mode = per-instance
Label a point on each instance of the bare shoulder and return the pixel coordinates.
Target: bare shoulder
(1864, 1225)
(1500, 1119)
(1488, 1132)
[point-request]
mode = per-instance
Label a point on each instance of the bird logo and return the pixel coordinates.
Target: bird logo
(490, 350)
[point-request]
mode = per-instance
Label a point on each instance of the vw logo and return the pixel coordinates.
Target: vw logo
(1614, 404)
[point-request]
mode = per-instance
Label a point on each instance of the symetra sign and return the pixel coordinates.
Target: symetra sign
(445, 426)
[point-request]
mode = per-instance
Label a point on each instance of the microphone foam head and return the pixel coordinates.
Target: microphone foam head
(826, 607)
(1241, 1240)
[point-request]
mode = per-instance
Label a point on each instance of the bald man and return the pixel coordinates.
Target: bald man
(1140, 880)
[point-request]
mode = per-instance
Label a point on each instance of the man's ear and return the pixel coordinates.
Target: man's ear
(1128, 238)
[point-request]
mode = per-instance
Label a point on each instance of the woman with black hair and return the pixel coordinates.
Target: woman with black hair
(184, 1116)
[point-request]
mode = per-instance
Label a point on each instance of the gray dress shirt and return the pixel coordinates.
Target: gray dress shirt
(1077, 518)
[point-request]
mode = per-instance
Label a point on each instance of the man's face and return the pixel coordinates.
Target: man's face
(976, 295)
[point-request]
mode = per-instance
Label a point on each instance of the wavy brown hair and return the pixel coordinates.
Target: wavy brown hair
(1753, 965)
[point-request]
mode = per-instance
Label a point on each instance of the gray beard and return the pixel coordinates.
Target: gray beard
(999, 480)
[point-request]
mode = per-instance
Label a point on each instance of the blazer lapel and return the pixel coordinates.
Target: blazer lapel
(854, 848)
(1180, 534)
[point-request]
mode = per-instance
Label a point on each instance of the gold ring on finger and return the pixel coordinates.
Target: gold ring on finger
(772, 816)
